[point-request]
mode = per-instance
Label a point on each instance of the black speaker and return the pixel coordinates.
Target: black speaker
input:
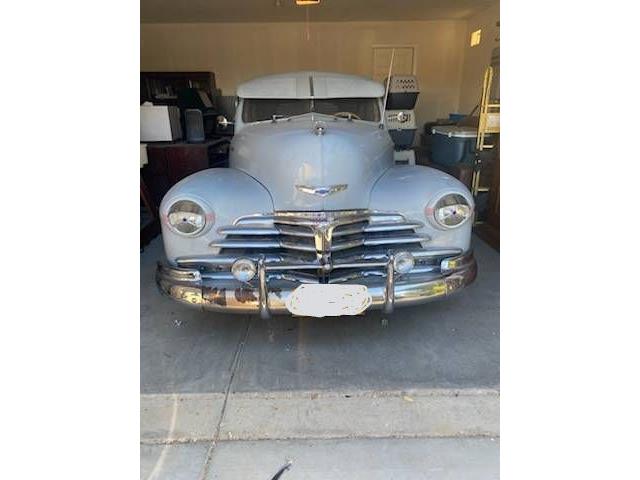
(194, 125)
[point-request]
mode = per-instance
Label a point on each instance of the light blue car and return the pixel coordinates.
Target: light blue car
(313, 218)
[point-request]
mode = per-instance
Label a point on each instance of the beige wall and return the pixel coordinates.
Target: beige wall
(476, 59)
(239, 51)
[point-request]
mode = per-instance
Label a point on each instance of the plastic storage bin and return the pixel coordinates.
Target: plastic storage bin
(451, 145)
(456, 117)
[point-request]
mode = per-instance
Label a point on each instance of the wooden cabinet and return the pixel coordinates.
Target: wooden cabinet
(171, 162)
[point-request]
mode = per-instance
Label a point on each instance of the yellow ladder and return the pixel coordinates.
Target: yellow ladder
(489, 123)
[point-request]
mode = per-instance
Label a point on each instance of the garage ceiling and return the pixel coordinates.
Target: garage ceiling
(177, 11)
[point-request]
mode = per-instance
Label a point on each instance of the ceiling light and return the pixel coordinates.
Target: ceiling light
(304, 3)
(475, 37)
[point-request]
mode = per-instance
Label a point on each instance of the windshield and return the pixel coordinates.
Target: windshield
(261, 109)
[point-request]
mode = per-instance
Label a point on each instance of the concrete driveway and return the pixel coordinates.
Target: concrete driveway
(227, 396)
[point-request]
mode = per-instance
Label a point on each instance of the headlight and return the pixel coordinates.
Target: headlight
(187, 217)
(451, 211)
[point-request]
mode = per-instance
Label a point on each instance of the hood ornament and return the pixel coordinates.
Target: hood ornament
(322, 191)
(319, 128)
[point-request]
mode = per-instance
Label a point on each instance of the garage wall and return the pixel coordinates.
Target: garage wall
(476, 59)
(239, 51)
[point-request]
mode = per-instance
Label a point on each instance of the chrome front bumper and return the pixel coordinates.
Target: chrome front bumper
(192, 287)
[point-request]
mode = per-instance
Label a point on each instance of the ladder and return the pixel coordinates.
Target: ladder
(488, 123)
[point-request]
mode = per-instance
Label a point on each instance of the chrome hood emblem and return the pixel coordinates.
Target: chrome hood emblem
(323, 191)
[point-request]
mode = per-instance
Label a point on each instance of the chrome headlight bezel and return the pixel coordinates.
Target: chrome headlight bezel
(195, 206)
(438, 209)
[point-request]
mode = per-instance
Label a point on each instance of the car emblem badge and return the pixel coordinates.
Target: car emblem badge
(322, 191)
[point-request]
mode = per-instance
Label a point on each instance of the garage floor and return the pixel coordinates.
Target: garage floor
(236, 397)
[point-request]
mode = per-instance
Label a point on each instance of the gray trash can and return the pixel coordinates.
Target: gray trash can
(451, 145)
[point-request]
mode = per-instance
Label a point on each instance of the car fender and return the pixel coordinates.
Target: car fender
(226, 194)
(412, 190)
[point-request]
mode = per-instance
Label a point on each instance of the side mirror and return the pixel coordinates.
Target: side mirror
(222, 121)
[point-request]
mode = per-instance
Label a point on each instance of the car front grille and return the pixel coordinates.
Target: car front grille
(319, 247)
(324, 247)
(320, 235)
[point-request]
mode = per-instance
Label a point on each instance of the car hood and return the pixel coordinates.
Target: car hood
(314, 162)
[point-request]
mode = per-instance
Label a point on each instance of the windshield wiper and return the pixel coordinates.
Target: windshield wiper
(275, 118)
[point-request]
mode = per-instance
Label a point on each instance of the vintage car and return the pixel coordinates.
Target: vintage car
(313, 218)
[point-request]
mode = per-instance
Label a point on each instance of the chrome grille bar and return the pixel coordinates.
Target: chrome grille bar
(248, 230)
(393, 226)
(248, 243)
(290, 230)
(295, 232)
(409, 238)
(284, 262)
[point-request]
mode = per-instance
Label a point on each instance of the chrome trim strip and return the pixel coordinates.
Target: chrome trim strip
(284, 266)
(283, 262)
(221, 260)
(263, 298)
(392, 226)
(312, 222)
(389, 293)
(281, 216)
(348, 277)
(285, 274)
(367, 242)
(294, 277)
(295, 232)
(435, 252)
(403, 238)
(355, 264)
(301, 247)
(231, 230)
(346, 245)
(224, 243)
(252, 219)
(455, 263)
(179, 274)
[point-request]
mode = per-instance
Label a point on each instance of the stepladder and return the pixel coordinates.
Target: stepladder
(488, 130)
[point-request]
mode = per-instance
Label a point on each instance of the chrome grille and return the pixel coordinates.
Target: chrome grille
(322, 235)
(320, 246)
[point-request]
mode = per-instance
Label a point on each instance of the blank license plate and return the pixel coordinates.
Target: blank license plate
(326, 300)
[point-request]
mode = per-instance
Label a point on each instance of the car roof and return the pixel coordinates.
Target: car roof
(311, 84)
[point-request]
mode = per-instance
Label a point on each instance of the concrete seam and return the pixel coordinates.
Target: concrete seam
(236, 362)
(157, 468)
(340, 393)
(401, 436)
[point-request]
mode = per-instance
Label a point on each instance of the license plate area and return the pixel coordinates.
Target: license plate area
(328, 300)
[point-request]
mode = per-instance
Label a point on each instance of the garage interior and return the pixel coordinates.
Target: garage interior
(233, 396)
